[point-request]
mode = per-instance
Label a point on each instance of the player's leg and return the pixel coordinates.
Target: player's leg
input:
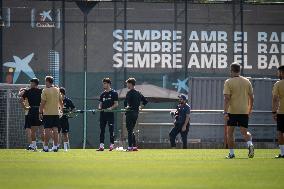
(65, 131)
(33, 136)
(231, 141)
(29, 138)
(111, 134)
(35, 123)
(134, 141)
(184, 137)
(48, 122)
(47, 137)
(243, 122)
(130, 128)
(27, 127)
(280, 136)
(41, 131)
(66, 141)
(103, 123)
(55, 137)
(232, 122)
(60, 135)
(55, 125)
(60, 132)
(248, 138)
(173, 134)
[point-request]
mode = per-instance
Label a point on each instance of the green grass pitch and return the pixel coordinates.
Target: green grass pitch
(147, 169)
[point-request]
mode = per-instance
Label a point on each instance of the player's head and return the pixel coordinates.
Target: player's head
(34, 82)
(106, 83)
(48, 81)
(281, 72)
(235, 69)
(182, 99)
(131, 82)
(62, 91)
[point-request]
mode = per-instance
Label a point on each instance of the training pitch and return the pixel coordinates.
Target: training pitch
(149, 169)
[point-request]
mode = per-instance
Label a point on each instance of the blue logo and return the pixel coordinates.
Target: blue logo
(44, 15)
(181, 84)
(21, 65)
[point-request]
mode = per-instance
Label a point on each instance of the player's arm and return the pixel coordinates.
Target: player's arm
(101, 102)
(22, 94)
(115, 105)
(275, 101)
(61, 105)
(41, 107)
(186, 122)
(251, 98)
(126, 104)
(100, 106)
(144, 101)
(187, 119)
(72, 106)
(22, 101)
(251, 101)
(227, 98)
(42, 104)
(115, 101)
(275, 105)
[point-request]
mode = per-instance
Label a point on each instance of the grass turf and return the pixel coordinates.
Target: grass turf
(150, 169)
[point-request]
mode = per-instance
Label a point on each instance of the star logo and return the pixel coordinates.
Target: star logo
(181, 84)
(46, 15)
(21, 65)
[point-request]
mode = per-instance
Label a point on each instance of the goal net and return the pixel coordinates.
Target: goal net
(12, 117)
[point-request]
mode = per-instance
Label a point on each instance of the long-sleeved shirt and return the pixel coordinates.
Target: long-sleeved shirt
(133, 100)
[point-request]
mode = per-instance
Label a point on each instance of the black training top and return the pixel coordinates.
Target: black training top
(107, 98)
(34, 96)
(133, 100)
(181, 112)
(67, 106)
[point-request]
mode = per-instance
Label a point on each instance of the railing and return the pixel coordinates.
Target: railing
(167, 123)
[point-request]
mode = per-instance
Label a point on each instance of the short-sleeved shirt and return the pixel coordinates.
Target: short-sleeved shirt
(108, 98)
(278, 90)
(52, 97)
(240, 89)
(33, 95)
(67, 106)
(181, 112)
(133, 100)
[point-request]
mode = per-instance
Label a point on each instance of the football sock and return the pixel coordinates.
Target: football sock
(66, 144)
(232, 151)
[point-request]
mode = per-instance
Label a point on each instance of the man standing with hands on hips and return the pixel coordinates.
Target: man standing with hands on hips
(132, 105)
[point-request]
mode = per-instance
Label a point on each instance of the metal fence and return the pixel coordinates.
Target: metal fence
(207, 124)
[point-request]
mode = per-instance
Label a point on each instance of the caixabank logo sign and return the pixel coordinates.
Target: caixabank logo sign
(5, 17)
(18, 66)
(45, 18)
